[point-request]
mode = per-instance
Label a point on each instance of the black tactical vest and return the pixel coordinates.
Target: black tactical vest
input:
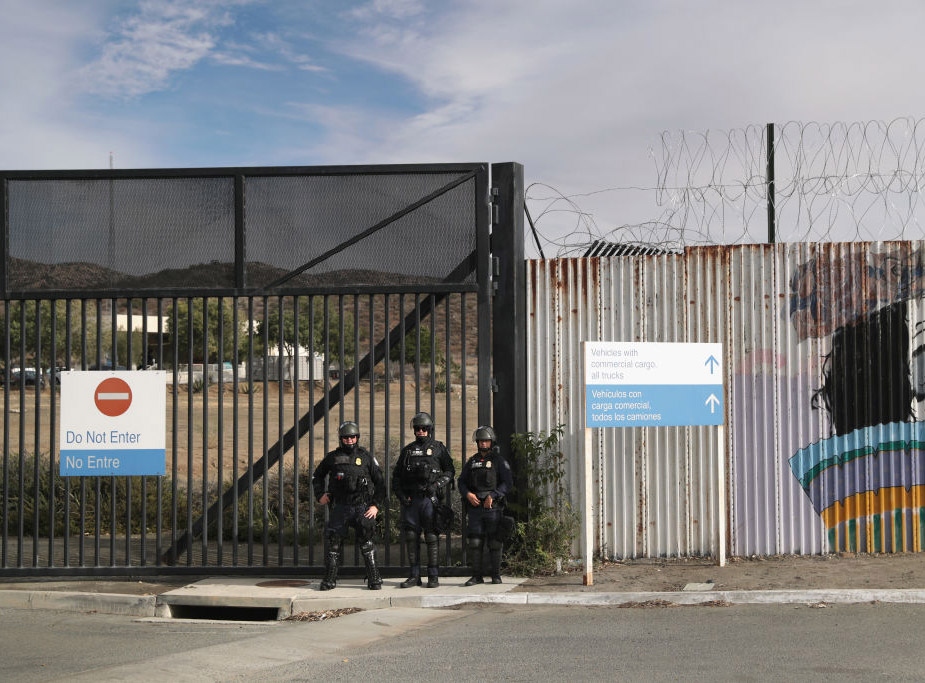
(422, 466)
(483, 475)
(348, 479)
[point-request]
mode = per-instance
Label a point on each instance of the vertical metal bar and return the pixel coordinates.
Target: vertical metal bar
(190, 312)
(463, 336)
(417, 353)
(265, 519)
(6, 430)
(220, 476)
(68, 340)
(433, 355)
(772, 213)
(448, 429)
(372, 378)
(36, 456)
(297, 341)
(250, 431)
(159, 485)
(356, 388)
(22, 430)
(483, 271)
(205, 433)
(327, 374)
(175, 431)
(114, 363)
(97, 503)
(128, 480)
(83, 480)
(144, 479)
(401, 392)
(311, 426)
(387, 462)
(356, 359)
(280, 430)
(342, 356)
(327, 395)
(52, 414)
(235, 383)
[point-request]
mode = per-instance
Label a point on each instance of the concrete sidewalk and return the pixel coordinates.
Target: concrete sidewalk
(281, 598)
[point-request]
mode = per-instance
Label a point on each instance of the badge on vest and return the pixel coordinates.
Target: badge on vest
(430, 451)
(359, 461)
(488, 464)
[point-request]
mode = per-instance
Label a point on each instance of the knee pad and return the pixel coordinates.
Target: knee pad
(475, 542)
(367, 547)
(430, 537)
(495, 544)
(410, 536)
(334, 539)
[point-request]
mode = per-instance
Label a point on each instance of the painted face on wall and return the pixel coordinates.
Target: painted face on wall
(866, 480)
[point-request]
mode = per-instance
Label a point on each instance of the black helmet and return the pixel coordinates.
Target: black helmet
(348, 429)
(423, 420)
(484, 433)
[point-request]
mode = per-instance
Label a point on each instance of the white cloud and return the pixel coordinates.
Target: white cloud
(580, 91)
(164, 37)
(40, 44)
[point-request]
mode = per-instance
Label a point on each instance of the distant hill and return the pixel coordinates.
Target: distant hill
(31, 275)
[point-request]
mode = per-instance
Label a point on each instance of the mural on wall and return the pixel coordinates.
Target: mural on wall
(866, 480)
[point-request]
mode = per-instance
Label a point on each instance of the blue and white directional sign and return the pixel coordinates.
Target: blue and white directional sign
(630, 384)
(113, 423)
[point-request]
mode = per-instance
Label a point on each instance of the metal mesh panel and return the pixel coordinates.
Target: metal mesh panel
(95, 234)
(293, 220)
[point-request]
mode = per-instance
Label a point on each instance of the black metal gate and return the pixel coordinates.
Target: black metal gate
(280, 301)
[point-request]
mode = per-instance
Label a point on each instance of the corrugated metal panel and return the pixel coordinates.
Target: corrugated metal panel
(825, 363)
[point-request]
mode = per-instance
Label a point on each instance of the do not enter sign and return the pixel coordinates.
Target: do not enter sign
(113, 396)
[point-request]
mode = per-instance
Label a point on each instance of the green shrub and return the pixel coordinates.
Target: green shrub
(546, 524)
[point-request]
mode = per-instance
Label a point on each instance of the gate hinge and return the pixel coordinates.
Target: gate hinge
(493, 201)
(495, 274)
(494, 385)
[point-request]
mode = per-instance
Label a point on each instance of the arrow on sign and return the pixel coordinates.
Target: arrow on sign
(712, 362)
(712, 401)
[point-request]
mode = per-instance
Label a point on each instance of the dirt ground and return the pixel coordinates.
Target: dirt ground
(783, 572)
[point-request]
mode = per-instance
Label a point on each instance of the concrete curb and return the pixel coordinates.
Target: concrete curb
(69, 601)
(771, 597)
(150, 605)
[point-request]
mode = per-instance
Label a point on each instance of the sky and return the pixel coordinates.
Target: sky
(579, 92)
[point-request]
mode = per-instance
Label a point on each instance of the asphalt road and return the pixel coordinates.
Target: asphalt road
(744, 642)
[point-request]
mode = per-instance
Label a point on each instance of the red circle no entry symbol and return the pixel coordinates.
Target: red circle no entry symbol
(113, 396)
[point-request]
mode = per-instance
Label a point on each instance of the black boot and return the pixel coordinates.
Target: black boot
(373, 578)
(413, 548)
(330, 571)
(494, 558)
(433, 561)
(414, 579)
(475, 560)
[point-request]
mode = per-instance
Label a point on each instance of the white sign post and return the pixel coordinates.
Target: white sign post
(652, 384)
(113, 423)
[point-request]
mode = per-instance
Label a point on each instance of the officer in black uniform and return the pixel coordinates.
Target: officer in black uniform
(349, 479)
(484, 481)
(423, 470)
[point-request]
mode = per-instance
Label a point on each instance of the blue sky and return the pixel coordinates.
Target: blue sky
(578, 91)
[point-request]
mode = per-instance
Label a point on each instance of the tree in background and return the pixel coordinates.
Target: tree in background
(47, 356)
(227, 331)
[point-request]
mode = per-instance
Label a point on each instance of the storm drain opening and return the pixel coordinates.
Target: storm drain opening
(224, 613)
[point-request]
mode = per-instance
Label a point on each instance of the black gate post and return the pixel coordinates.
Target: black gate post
(509, 322)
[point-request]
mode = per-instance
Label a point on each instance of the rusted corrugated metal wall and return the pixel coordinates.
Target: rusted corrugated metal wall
(824, 376)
